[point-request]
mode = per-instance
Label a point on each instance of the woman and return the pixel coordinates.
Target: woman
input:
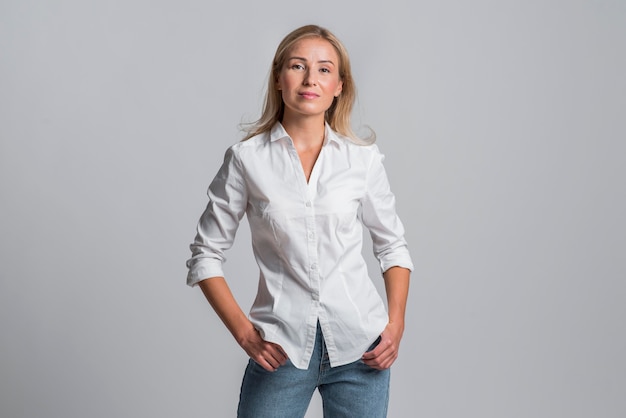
(307, 184)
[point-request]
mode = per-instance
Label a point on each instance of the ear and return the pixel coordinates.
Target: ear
(339, 89)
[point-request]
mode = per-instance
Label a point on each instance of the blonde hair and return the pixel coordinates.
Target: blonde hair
(338, 115)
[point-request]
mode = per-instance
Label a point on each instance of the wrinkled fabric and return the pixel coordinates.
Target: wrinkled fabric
(306, 239)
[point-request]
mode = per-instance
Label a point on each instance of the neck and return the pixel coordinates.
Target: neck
(306, 133)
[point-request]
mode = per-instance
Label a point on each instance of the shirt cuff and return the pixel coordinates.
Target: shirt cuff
(400, 258)
(204, 269)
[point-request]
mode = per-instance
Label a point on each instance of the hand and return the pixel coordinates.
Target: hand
(268, 355)
(386, 352)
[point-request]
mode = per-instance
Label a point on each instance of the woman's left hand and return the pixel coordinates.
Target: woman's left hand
(386, 352)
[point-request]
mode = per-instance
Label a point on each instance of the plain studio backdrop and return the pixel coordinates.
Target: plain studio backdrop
(504, 127)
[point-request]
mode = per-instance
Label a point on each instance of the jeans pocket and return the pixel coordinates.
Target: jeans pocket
(375, 343)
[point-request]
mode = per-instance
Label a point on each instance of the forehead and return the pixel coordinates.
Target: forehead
(318, 48)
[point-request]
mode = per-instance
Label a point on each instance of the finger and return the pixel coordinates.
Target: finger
(277, 353)
(267, 361)
(274, 354)
(275, 358)
(381, 360)
(266, 365)
(282, 356)
(380, 364)
(377, 351)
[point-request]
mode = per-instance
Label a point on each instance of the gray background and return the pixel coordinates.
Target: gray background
(503, 124)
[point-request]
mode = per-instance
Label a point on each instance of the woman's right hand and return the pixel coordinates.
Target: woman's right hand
(268, 355)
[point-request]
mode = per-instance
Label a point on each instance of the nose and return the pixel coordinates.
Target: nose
(309, 79)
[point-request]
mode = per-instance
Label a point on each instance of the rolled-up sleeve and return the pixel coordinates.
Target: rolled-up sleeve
(219, 222)
(380, 217)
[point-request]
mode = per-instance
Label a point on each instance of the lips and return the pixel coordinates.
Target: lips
(308, 95)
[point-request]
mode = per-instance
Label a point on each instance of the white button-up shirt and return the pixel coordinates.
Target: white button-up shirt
(307, 240)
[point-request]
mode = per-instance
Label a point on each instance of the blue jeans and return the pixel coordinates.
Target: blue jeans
(353, 390)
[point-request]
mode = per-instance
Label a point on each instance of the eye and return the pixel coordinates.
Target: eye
(297, 67)
(324, 70)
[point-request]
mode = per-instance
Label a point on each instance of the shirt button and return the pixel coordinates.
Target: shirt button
(311, 235)
(314, 266)
(308, 204)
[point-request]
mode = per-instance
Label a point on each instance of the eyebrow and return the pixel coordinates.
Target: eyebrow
(304, 59)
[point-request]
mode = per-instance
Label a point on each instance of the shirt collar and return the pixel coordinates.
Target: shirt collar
(278, 132)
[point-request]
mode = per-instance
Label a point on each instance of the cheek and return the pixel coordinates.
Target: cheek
(283, 82)
(280, 83)
(287, 84)
(334, 87)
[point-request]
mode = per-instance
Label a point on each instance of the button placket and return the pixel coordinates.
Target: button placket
(314, 278)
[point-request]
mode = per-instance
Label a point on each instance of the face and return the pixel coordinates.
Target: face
(309, 80)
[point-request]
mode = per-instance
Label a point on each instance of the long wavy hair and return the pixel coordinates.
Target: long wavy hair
(338, 115)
